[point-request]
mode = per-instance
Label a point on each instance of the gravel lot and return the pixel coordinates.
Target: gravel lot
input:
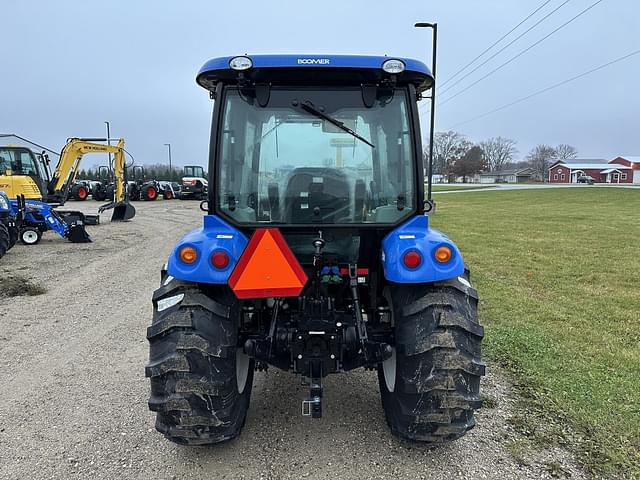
(74, 396)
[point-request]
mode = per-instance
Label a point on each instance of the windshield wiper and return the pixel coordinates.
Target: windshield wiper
(309, 107)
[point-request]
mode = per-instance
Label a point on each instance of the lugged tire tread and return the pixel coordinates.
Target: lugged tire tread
(438, 374)
(4, 239)
(192, 367)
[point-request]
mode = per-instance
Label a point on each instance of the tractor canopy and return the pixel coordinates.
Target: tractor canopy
(311, 69)
(301, 140)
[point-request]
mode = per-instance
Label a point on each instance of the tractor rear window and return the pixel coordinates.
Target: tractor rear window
(314, 156)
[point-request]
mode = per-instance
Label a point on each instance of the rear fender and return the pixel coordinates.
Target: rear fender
(215, 235)
(416, 235)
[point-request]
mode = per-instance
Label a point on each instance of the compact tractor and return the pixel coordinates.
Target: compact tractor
(194, 185)
(10, 222)
(316, 255)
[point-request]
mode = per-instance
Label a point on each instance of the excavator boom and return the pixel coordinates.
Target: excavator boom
(69, 164)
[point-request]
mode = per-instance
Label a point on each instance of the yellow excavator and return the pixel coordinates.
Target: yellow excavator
(24, 173)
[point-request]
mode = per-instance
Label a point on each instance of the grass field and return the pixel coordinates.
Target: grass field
(558, 272)
(450, 187)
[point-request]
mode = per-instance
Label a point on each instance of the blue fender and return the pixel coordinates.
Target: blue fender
(415, 235)
(215, 235)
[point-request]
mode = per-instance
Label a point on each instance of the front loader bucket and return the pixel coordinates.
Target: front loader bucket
(77, 234)
(122, 212)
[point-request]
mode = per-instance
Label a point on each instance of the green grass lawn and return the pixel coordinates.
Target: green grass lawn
(558, 272)
(454, 186)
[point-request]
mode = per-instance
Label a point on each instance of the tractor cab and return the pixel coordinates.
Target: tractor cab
(316, 255)
(312, 144)
(23, 172)
(194, 184)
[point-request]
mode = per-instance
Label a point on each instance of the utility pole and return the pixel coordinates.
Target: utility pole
(109, 143)
(169, 145)
(434, 28)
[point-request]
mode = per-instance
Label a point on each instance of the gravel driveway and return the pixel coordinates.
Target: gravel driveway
(73, 392)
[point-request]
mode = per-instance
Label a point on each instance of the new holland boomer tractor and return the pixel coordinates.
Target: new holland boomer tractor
(316, 255)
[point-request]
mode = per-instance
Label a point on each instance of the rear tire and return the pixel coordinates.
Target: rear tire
(149, 193)
(200, 381)
(79, 192)
(30, 235)
(98, 193)
(4, 239)
(430, 387)
(13, 236)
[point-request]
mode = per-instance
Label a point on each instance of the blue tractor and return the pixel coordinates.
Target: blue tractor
(10, 222)
(38, 217)
(316, 255)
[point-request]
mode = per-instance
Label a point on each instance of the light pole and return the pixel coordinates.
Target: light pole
(108, 142)
(434, 28)
(169, 145)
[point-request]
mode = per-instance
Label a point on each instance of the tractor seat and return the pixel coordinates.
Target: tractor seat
(317, 195)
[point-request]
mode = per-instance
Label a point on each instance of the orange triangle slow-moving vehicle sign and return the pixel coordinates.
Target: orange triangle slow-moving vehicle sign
(267, 268)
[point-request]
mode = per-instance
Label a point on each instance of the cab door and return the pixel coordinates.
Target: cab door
(6, 179)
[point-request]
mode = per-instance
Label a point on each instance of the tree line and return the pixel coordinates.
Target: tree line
(454, 156)
(147, 172)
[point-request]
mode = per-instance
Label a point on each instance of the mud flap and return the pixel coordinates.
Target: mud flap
(77, 234)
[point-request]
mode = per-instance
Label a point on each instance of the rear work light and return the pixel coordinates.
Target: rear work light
(412, 259)
(188, 255)
(240, 63)
(393, 66)
(220, 260)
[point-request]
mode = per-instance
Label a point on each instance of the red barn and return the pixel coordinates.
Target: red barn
(568, 171)
(629, 161)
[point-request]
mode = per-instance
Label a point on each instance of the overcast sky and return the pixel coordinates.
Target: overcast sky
(69, 65)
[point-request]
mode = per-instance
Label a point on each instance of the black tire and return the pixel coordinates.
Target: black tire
(149, 193)
(79, 192)
(192, 365)
(98, 193)
(4, 239)
(13, 236)
(30, 235)
(436, 362)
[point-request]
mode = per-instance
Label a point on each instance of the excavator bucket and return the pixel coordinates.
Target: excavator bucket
(123, 211)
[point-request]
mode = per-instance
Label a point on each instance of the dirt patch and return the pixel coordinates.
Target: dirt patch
(19, 286)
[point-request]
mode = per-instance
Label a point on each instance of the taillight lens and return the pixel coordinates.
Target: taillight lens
(443, 254)
(188, 255)
(220, 260)
(412, 259)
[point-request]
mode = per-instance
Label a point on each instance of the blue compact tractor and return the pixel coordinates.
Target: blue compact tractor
(10, 221)
(316, 255)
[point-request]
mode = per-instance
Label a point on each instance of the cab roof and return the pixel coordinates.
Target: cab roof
(314, 70)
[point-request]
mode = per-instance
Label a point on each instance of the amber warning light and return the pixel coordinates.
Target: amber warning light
(267, 268)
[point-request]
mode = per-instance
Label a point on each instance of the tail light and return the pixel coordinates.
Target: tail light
(412, 259)
(443, 254)
(220, 260)
(188, 255)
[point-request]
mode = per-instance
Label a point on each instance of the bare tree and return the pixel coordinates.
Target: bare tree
(447, 147)
(566, 152)
(469, 164)
(498, 152)
(540, 159)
